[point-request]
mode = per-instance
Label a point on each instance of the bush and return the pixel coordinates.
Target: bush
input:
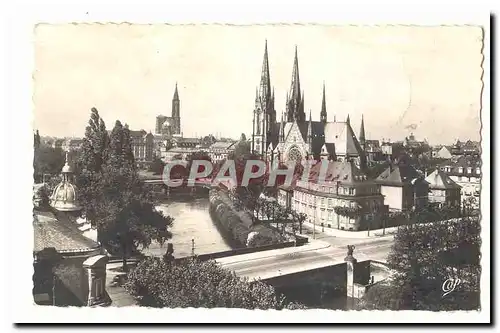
(196, 283)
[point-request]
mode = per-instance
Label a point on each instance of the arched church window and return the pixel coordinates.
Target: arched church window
(294, 154)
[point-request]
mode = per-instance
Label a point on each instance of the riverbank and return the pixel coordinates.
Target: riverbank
(239, 224)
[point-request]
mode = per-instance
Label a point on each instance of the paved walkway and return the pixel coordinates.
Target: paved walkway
(119, 297)
(351, 234)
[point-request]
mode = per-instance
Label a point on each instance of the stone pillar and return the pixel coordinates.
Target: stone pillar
(351, 262)
(96, 270)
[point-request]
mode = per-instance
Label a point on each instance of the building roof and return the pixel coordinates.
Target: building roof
(222, 145)
(464, 162)
(439, 180)
(139, 133)
(342, 135)
(346, 172)
(398, 175)
(65, 237)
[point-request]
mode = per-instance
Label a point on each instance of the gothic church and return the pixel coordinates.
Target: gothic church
(296, 138)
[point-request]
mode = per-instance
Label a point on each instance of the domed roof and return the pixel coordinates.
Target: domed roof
(64, 197)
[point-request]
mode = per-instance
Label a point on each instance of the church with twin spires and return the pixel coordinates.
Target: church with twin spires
(296, 137)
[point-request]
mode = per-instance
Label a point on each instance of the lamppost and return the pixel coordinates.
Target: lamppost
(314, 217)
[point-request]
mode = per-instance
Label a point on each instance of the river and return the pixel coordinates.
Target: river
(191, 221)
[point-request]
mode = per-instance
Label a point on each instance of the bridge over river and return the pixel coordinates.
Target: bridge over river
(317, 254)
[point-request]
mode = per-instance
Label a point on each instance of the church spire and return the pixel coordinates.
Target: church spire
(295, 101)
(295, 87)
(362, 131)
(282, 129)
(348, 120)
(265, 80)
(323, 106)
(176, 93)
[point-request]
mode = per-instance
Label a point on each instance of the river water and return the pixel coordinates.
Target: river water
(191, 221)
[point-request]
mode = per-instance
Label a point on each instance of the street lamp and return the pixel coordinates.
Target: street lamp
(314, 217)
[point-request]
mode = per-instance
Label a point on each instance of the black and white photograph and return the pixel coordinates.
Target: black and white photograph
(259, 167)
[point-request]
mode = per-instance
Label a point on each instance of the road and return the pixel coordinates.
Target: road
(316, 254)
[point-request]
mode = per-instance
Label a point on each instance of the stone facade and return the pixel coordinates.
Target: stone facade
(346, 200)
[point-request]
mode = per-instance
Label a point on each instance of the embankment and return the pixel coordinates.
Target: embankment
(238, 224)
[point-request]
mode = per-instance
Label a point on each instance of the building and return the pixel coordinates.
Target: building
(403, 187)
(295, 137)
(373, 151)
(444, 153)
(346, 200)
(443, 191)
(178, 153)
(58, 143)
(170, 125)
(414, 147)
(386, 148)
(465, 170)
(143, 147)
(219, 151)
(69, 268)
(72, 144)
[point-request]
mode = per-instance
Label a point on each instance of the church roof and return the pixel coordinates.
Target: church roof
(439, 180)
(60, 234)
(341, 134)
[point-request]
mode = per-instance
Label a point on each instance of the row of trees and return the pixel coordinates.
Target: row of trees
(194, 283)
(425, 256)
(114, 199)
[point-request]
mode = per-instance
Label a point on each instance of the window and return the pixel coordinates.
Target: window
(322, 201)
(478, 171)
(351, 191)
(460, 170)
(469, 170)
(330, 203)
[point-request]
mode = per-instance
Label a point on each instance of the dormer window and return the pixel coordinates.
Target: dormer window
(478, 171)
(460, 170)
(469, 170)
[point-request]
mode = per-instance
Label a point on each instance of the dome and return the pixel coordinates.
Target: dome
(64, 197)
(66, 168)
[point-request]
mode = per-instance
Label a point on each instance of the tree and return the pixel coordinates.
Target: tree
(195, 283)
(36, 139)
(93, 154)
(427, 255)
(241, 148)
(126, 217)
(115, 201)
(157, 166)
(47, 160)
(198, 156)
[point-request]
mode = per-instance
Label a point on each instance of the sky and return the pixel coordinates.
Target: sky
(402, 79)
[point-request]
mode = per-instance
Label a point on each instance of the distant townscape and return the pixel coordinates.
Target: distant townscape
(394, 222)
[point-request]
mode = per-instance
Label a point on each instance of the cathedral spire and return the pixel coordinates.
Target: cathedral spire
(323, 117)
(295, 87)
(265, 80)
(176, 93)
(309, 128)
(282, 129)
(362, 131)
